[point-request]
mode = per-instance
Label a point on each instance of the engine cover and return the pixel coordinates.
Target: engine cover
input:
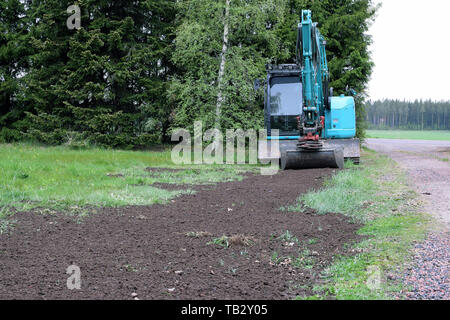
(340, 120)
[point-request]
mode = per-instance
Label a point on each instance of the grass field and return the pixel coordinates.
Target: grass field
(61, 178)
(376, 194)
(412, 135)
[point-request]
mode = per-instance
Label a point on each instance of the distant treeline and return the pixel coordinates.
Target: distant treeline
(417, 115)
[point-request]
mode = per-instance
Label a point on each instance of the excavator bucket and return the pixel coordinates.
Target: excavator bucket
(305, 159)
(332, 155)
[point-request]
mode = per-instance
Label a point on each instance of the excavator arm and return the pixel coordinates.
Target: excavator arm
(315, 76)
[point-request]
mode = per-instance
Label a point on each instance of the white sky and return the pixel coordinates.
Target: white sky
(411, 50)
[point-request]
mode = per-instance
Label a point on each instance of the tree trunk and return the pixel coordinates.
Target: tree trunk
(222, 64)
(422, 120)
(432, 120)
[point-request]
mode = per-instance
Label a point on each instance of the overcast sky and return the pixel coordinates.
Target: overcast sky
(411, 50)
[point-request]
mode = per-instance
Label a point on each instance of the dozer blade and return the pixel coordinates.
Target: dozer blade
(303, 159)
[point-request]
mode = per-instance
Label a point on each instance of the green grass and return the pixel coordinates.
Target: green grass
(375, 194)
(360, 192)
(65, 179)
(409, 134)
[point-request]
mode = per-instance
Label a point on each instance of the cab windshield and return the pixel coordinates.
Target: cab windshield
(285, 104)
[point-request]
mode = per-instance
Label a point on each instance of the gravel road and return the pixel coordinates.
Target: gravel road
(427, 165)
(427, 168)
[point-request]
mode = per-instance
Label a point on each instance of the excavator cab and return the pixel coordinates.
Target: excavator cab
(283, 100)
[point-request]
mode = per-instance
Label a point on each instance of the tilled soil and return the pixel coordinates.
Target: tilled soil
(159, 252)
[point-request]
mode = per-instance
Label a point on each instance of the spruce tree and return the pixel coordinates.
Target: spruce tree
(104, 83)
(14, 52)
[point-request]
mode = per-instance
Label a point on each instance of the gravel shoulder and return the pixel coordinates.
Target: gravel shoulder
(426, 163)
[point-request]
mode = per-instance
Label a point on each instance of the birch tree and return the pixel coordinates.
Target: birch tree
(222, 62)
(221, 48)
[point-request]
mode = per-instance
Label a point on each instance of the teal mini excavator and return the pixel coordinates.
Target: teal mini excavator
(315, 129)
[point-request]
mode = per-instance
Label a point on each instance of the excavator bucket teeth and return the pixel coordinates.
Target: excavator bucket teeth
(304, 159)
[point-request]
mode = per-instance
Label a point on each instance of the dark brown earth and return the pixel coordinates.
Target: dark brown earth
(145, 250)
